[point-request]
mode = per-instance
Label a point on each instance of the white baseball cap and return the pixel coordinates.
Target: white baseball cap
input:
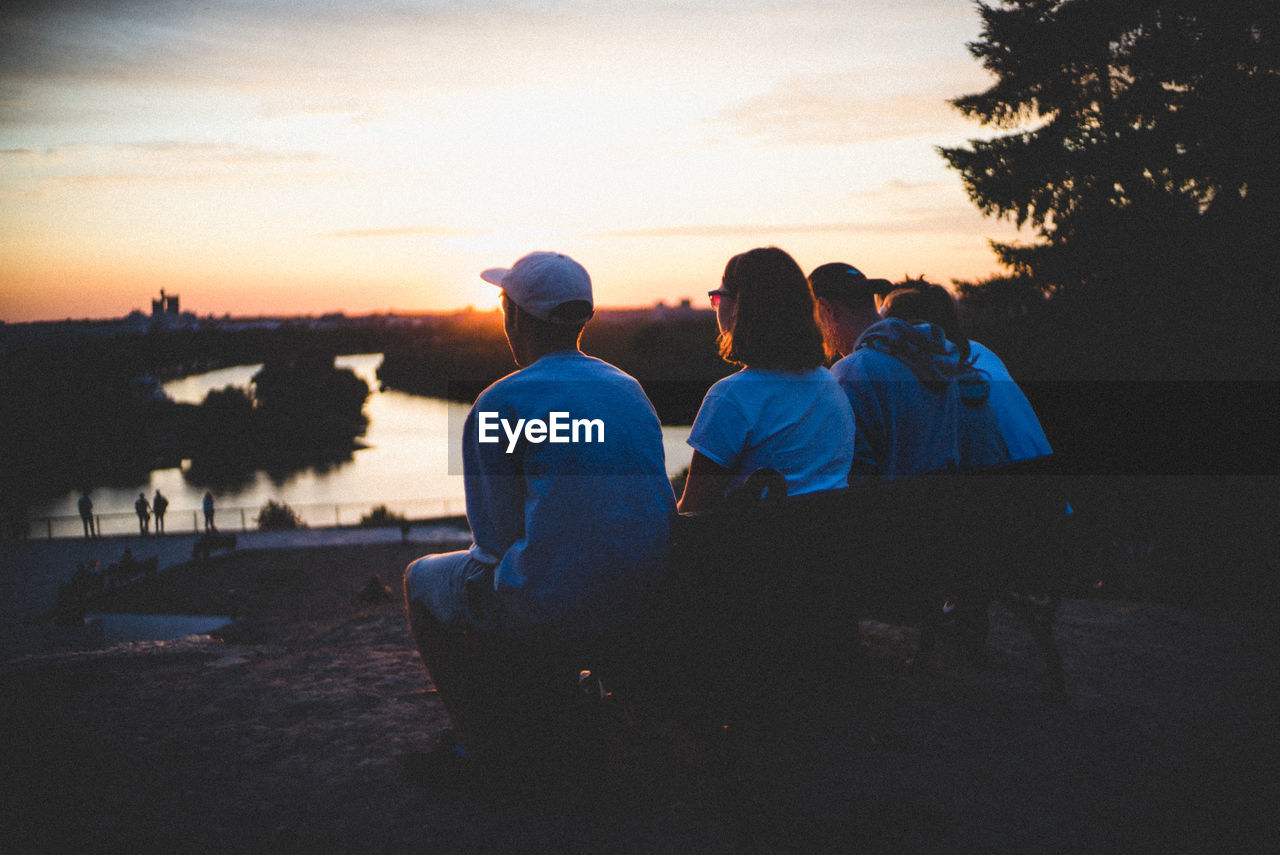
(541, 281)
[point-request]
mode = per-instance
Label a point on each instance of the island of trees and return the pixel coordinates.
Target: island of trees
(83, 411)
(92, 413)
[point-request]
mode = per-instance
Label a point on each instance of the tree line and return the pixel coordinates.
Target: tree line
(676, 361)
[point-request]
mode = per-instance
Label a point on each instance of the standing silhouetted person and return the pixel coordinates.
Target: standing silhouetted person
(159, 505)
(208, 512)
(86, 515)
(143, 509)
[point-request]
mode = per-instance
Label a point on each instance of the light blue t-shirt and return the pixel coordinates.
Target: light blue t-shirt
(576, 515)
(1023, 435)
(797, 422)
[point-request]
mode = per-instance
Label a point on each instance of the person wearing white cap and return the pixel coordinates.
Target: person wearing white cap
(569, 504)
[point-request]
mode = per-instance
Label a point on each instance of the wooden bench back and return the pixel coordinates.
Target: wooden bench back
(788, 580)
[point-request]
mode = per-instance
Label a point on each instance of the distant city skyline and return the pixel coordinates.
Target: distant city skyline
(303, 158)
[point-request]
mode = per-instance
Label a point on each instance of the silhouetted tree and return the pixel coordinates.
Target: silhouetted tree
(222, 441)
(1139, 148)
(305, 402)
(1141, 136)
(455, 357)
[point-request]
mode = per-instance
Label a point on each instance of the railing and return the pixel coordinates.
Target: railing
(239, 518)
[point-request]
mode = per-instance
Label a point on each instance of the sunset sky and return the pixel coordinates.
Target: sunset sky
(366, 155)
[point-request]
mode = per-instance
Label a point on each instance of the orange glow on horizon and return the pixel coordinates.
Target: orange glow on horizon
(102, 291)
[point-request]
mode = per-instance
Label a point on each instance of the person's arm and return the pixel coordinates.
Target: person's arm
(494, 482)
(705, 486)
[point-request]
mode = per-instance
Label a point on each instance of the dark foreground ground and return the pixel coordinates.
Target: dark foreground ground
(287, 736)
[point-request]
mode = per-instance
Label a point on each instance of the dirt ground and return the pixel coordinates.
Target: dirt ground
(288, 735)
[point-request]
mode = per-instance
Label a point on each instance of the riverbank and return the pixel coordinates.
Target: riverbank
(32, 570)
(288, 734)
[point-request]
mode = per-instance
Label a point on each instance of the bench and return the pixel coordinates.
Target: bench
(762, 601)
(773, 591)
(764, 598)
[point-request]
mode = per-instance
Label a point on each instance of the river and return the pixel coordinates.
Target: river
(405, 466)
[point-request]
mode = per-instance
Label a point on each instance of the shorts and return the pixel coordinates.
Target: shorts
(456, 588)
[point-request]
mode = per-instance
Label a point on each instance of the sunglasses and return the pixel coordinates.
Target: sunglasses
(717, 295)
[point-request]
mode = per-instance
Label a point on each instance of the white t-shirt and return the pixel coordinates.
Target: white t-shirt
(797, 422)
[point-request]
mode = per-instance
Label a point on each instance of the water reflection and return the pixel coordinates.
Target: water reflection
(405, 463)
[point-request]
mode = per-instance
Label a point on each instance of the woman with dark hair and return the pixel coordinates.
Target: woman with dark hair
(931, 303)
(783, 410)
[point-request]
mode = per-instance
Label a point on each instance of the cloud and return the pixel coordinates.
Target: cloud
(897, 184)
(900, 188)
(926, 222)
(42, 173)
(153, 162)
(181, 41)
(61, 39)
(228, 45)
(399, 231)
(175, 149)
(221, 153)
(719, 231)
(116, 178)
(830, 110)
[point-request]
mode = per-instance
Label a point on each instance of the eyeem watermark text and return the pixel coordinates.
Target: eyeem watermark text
(558, 427)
